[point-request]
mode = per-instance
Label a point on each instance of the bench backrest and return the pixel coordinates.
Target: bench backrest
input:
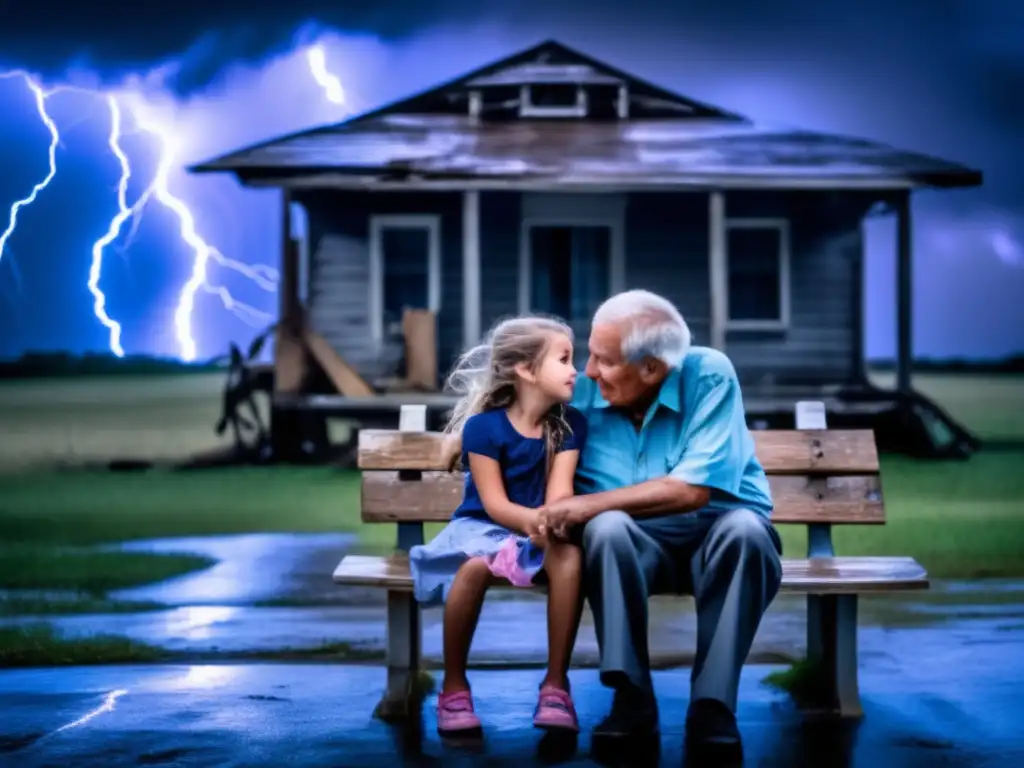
(816, 476)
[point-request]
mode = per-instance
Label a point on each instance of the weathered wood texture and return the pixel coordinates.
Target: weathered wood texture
(826, 575)
(782, 452)
(386, 498)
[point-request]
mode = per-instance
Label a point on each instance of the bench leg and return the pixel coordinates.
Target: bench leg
(402, 696)
(832, 651)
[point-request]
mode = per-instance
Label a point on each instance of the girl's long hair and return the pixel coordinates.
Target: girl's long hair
(484, 377)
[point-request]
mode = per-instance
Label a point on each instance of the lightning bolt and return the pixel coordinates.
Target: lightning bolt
(158, 190)
(333, 90)
(40, 97)
(264, 276)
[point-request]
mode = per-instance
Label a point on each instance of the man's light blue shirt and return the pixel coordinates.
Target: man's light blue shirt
(695, 431)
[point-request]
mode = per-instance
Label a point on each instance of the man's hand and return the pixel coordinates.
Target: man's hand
(560, 517)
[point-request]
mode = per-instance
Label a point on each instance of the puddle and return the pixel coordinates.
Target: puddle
(251, 568)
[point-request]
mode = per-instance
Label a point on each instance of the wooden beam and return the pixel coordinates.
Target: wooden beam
(717, 260)
(470, 268)
(345, 379)
(904, 295)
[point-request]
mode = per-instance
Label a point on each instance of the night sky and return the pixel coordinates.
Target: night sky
(943, 77)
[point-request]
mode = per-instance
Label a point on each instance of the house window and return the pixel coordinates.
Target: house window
(405, 270)
(552, 100)
(757, 269)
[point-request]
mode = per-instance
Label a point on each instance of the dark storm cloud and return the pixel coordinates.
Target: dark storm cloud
(119, 35)
(980, 41)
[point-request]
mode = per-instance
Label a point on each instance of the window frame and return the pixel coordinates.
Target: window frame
(782, 323)
(528, 109)
(380, 222)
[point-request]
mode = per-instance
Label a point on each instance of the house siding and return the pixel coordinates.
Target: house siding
(822, 342)
(338, 301)
(500, 219)
(666, 251)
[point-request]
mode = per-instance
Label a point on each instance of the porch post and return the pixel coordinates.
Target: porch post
(289, 354)
(470, 267)
(290, 361)
(904, 295)
(718, 293)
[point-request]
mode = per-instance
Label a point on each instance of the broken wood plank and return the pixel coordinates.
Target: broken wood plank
(341, 374)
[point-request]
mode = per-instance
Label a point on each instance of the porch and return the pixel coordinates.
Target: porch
(772, 278)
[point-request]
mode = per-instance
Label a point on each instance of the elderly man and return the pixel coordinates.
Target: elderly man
(671, 498)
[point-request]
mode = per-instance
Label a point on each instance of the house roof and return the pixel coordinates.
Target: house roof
(668, 140)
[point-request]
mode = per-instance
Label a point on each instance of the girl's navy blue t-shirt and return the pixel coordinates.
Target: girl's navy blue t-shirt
(522, 459)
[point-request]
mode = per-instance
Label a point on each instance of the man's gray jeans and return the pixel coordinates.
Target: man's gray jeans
(729, 562)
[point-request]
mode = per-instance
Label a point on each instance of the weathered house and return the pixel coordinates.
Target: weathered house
(548, 180)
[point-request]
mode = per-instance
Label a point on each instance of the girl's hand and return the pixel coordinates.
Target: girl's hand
(537, 531)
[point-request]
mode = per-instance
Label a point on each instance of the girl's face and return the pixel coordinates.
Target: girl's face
(556, 375)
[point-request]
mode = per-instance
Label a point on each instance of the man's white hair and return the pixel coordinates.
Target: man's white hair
(651, 326)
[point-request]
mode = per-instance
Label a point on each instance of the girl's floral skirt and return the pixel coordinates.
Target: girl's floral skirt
(509, 555)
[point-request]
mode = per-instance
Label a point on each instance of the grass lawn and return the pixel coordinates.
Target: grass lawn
(957, 518)
(36, 645)
(990, 406)
(43, 514)
(75, 420)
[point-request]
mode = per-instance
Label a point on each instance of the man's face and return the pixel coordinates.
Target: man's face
(622, 384)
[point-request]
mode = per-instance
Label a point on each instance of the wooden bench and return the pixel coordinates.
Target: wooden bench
(819, 478)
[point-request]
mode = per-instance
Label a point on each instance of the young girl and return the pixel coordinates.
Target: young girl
(520, 445)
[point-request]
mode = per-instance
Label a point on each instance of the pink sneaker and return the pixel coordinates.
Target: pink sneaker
(455, 714)
(555, 710)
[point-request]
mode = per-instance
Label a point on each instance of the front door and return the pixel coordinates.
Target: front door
(405, 263)
(570, 275)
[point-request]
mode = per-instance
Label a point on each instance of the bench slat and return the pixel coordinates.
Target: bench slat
(845, 499)
(795, 452)
(826, 575)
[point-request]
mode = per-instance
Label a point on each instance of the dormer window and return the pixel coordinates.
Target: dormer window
(552, 100)
(542, 89)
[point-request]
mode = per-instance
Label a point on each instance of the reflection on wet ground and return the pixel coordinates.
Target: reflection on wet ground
(272, 592)
(966, 714)
(941, 672)
(251, 568)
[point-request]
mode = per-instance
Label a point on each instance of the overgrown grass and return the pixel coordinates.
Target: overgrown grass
(93, 572)
(801, 681)
(42, 645)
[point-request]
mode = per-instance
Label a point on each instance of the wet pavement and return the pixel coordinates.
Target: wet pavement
(271, 593)
(251, 568)
(940, 675)
(962, 714)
